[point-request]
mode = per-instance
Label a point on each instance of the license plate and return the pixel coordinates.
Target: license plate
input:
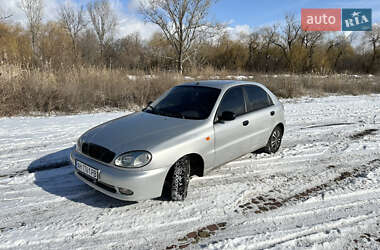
(83, 168)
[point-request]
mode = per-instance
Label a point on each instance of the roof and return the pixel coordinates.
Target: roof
(219, 84)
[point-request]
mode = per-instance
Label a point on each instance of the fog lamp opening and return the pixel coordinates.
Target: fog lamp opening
(125, 191)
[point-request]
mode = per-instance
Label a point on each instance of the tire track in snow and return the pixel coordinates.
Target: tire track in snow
(265, 204)
(291, 236)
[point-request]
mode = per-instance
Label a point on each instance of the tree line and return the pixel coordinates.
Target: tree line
(86, 36)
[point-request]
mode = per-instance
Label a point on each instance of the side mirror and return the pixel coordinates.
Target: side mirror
(228, 116)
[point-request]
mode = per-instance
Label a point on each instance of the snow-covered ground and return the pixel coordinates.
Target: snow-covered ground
(322, 190)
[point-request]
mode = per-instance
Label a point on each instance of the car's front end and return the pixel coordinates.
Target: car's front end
(128, 158)
(124, 183)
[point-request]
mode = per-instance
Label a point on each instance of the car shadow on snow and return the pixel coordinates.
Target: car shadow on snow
(55, 175)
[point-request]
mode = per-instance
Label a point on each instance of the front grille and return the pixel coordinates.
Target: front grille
(98, 152)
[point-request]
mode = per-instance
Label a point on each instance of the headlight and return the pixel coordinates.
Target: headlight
(134, 159)
(78, 145)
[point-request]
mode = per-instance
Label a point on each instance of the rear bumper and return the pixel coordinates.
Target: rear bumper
(144, 184)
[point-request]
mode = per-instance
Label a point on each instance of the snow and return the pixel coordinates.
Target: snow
(246, 77)
(239, 78)
(132, 77)
(321, 190)
(136, 77)
(33, 141)
(189, 78)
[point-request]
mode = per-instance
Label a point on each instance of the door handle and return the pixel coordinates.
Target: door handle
(245, 123)
(272, 113)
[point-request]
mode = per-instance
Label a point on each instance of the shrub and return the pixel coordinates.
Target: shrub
(70, 90)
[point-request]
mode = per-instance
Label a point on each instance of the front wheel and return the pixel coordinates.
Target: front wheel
(178, 180)
(274, 141)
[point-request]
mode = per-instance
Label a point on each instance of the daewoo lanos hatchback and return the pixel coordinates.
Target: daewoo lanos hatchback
(191, 129)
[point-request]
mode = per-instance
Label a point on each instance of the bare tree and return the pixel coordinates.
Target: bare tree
(289, 37)
(253, 42)
(104, 21)
(33, 10)
(73, 21)
(181, 21)
(4, 16)
(337, 48)
(310, 40)
(268, 36)
(373, 38)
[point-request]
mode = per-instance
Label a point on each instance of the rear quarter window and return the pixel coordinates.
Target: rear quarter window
(257, 98)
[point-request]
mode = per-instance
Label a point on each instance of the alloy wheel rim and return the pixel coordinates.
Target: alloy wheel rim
(276, 139)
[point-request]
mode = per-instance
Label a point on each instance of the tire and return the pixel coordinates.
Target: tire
(178, 180)
(274, 141)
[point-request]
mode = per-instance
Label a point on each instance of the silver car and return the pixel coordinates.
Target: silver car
(191, 129)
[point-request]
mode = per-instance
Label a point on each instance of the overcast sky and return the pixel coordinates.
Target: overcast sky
(240, 15)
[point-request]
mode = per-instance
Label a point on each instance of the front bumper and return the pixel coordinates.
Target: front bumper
(144, 184)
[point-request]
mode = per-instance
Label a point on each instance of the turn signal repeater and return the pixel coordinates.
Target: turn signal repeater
(208, 138)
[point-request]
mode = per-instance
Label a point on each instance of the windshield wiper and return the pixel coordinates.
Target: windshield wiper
(172, 114)
(153, 110)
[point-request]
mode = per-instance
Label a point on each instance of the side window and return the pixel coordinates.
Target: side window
(257, 98)
(232, 101)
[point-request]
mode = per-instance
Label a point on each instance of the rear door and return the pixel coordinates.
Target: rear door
(261, 113)
(231, 137)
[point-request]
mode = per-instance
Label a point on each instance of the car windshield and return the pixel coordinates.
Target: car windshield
(186, 102)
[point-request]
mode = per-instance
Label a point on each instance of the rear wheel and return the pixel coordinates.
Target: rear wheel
(177, 181)
(274, 141)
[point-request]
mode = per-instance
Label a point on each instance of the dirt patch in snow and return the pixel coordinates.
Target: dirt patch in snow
(39, 168)
(8, 228)
(363, 133)
(44, 167)
(195, 236)
(365, 238)
(17, 173)
(330, 125)
(50, 161)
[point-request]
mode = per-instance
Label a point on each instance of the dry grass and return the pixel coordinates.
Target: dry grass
(314, 85)
(24, 91)
(77, 89)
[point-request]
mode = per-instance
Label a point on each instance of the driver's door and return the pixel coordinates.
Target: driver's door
(231, 137)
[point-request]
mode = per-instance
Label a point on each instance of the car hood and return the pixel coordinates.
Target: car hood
(138, 131)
